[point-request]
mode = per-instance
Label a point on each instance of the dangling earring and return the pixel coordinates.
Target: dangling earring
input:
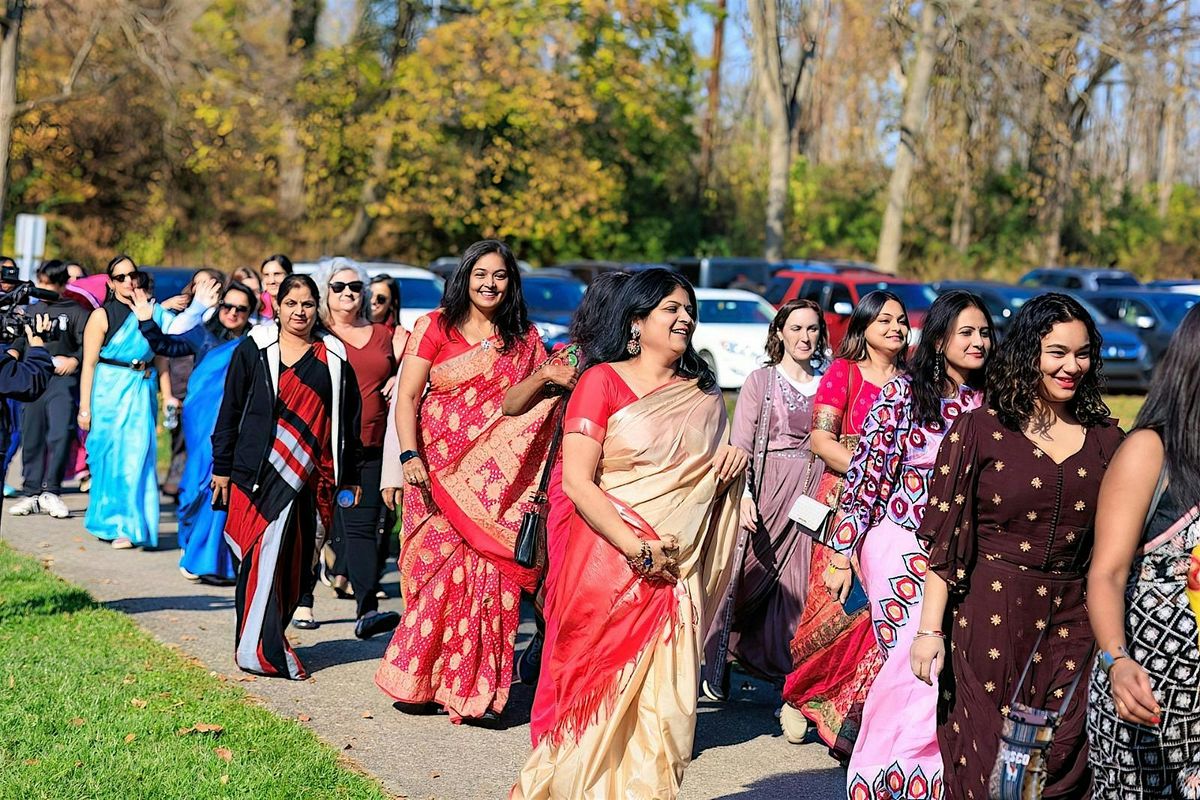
(937, 371)
(634, 346)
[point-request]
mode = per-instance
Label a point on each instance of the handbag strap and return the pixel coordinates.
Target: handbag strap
(1159, 489)
(1029, 663)
(551, 456)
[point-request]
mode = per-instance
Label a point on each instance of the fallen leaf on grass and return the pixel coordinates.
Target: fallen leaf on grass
(367, 715)
(77, 721)
(129, 737)
(78, 764)
(31, 762)
(137, 702)
(224, 753)
(129, 679)
(304, 717)
(201, 727)
(11, 682)
(224, 780)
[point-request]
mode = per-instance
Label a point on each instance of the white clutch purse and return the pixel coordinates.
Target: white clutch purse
(809, 512)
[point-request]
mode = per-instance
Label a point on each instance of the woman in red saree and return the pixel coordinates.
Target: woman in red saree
(469, 471)
(834, 654)
(647, 466)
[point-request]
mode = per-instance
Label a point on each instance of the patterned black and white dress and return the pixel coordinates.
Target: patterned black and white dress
(1131, 762)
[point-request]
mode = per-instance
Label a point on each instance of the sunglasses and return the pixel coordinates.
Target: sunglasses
(380, 300)
(134, 276)
(237, 309)
(337, 287)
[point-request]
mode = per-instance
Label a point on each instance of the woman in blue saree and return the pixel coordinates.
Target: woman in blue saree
(201, 527)
(118, 405)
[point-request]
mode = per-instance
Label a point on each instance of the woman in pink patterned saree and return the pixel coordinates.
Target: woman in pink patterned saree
(469, 472)
(654, 486)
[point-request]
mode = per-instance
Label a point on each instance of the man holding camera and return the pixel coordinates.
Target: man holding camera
(48, 423)
(24, 378)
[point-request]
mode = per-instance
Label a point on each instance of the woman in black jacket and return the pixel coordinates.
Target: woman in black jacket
(286, 437)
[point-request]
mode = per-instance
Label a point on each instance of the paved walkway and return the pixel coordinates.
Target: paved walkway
(739, 750)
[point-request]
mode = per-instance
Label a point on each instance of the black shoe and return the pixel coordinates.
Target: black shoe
(529, 665)
(376, 622)
(418, 709)
(490, 720)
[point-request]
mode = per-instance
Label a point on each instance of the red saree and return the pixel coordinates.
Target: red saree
(460, 584)
(835, 656)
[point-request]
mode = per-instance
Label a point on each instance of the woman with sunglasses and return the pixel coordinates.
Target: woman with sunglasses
(385, 301)
(211, 344)
(356, 533)
(117, 404)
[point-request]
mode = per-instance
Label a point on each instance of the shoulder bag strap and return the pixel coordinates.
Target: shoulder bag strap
(1159, 489)
(540, 498)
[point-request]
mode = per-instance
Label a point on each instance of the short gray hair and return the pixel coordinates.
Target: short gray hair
(325, 272)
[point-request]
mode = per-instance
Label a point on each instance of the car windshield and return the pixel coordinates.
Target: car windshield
(1116, 280)
(915, 296)
(420, 292)
(1175, 306)
(736, 312)
(1099, 316)
(548, 294)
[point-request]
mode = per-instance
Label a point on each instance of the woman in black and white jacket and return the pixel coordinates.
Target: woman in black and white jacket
(286, 438)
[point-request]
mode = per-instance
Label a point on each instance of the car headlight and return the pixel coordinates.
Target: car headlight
(1125, 351)
(550, 330)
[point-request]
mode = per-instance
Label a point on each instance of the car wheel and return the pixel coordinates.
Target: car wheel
(707, 358)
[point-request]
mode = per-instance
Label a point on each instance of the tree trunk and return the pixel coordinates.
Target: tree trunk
(709, 136)
(351, 240)
(912, 135)
(291, 166)
(10, 29)
(779, 161)
(768, 66)
(1171, 127)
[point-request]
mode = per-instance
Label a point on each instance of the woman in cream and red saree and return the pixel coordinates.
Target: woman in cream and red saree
(469, 471)
(647, 466)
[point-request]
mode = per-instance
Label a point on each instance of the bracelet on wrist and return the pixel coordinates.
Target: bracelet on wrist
(643, 562)
(84, 414)
(935, 633)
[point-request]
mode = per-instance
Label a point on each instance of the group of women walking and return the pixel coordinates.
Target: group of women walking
(898, 538)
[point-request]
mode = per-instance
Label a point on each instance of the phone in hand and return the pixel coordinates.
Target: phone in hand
(857, 599)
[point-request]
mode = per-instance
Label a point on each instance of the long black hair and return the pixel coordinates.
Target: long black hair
(929, 379)
(1015, 373)
(637, 297)
(775, 340)
(587, 320)
(854, 345)
(512, 317)
(1172, 409)
(393, 290)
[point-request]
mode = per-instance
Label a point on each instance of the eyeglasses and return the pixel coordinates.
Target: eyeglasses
(126, 276)
(237, 309)
(380, 300)
(337, 287)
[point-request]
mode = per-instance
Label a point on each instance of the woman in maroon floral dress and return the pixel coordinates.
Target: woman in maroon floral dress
(1009, 525)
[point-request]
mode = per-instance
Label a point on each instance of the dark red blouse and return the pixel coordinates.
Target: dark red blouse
(374, 364)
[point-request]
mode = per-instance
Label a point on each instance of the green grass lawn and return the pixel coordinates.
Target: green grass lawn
(91, 706)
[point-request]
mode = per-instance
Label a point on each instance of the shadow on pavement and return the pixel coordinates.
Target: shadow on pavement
(336, 652)
(824, 784)
(193, 602)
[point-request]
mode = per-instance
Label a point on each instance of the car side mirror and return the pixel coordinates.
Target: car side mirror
(842, 308)
(1144, 322)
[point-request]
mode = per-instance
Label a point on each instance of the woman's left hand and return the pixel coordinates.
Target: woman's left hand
(389, 388)
(729, 462)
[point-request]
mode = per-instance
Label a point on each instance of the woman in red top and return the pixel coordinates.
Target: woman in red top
(357, 531)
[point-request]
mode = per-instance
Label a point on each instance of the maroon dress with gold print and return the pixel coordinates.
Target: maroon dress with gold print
(1010, 531)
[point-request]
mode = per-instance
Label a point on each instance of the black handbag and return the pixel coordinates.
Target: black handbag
(525, 550)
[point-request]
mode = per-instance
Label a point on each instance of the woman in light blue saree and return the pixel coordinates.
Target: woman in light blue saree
(119, 406)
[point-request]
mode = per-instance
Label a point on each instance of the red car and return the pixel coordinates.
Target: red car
(838, 294)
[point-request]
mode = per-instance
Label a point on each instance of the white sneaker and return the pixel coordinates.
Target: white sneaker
(53, 505)
(25, 506)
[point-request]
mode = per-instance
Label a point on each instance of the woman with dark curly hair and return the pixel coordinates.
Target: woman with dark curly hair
(1009, 529)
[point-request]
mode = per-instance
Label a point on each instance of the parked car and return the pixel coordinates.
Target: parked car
(839, 293)
(1127, 361)
(750, 274)
(169, 281)
(1178, 286)
(1155, 315)
(1082, 279)
(444, 266)
(552, 301)
(587, 271)
(731, 334)
(420, 290)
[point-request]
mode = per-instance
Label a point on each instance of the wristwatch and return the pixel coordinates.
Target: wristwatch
(1107, 659)
(408, 455)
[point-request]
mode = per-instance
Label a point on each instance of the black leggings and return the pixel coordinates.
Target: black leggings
(358, 531)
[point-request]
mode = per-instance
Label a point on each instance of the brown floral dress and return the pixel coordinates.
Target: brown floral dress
(1010, 531)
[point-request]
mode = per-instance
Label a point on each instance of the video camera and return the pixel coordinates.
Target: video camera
(14, 294)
